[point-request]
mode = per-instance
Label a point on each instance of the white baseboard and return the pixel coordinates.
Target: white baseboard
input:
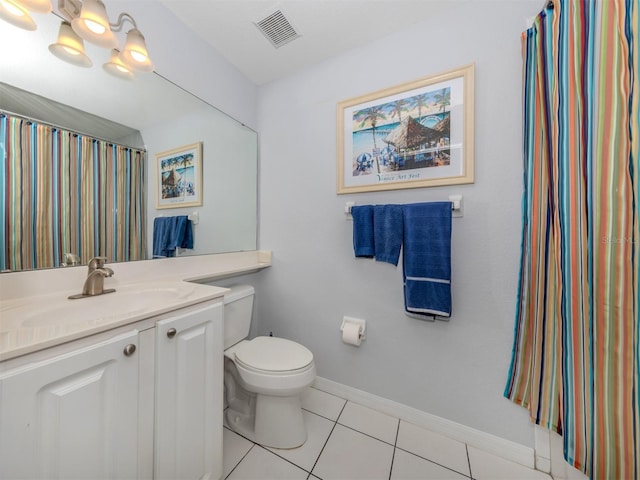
(485, 441)
(542, 447)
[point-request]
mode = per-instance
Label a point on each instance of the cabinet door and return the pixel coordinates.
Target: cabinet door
(189, 386)
(72, 416)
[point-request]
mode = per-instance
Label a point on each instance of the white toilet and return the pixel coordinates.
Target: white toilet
(263, 378)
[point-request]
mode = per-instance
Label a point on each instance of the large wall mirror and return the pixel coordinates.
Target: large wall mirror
(150, 107)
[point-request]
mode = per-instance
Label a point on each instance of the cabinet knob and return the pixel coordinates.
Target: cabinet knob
(129, 350)
(171, 332)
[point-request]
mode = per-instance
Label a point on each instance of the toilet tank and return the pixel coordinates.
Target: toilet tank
(238, 307)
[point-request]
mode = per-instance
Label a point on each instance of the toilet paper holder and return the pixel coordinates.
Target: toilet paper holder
(357, 321)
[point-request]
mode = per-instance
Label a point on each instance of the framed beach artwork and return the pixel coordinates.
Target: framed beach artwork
(179, 177)
(418, 134)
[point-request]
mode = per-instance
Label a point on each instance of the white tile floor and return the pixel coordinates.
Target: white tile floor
(347, 441)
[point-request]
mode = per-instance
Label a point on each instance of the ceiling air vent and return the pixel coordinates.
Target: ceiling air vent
(277, 28)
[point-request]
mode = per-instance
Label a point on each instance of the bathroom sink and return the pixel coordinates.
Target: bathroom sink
(32, 323)
(127, 301)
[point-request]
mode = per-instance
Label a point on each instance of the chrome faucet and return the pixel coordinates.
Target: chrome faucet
(94, 284)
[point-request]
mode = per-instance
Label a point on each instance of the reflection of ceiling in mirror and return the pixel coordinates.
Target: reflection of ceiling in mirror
(26, 62)
(43, 110)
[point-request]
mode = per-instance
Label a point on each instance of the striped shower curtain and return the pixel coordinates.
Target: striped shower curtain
(576, 355)
(67, 193)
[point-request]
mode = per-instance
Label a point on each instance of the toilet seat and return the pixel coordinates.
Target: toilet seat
(292, 365)
(273, 355)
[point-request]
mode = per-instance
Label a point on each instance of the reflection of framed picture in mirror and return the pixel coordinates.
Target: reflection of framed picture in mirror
(179, 177)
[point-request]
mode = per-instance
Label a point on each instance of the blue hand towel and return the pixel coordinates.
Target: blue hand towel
(363, 238)
(427, 259)
(161, 234)
(183, 235)
(387, 226)
(170, 233)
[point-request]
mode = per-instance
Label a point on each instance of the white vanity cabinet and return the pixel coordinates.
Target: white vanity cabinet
(73, 415)
(139, 401)
(189, 369)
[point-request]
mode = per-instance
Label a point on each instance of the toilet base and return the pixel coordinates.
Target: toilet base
(271, 421)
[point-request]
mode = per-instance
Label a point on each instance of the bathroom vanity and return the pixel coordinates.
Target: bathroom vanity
(134, 394)
(122, 385)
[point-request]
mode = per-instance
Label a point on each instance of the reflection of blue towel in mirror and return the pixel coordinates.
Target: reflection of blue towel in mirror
(170, 233)
(427, 259)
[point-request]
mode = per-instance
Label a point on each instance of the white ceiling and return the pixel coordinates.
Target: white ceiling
(327, 28)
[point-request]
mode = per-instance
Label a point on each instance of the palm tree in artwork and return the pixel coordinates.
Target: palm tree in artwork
(185, 160)
(371, 116)
(443, 99)
(397, 107)
(420, 101)
(187, 186)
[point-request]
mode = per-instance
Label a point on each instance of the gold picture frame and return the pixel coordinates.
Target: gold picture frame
(179, 177)
(418, 134)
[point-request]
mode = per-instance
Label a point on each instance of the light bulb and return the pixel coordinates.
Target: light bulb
(16, 15)
(95, 27)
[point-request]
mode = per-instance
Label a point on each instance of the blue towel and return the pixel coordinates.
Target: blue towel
(427, 259)
(184, 237)
(387, 226)
(170, 233)
(363, 237)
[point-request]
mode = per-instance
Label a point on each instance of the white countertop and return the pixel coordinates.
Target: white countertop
(34, 323)
(47, 317)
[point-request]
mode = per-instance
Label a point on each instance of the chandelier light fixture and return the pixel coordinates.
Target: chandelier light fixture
(85, 20)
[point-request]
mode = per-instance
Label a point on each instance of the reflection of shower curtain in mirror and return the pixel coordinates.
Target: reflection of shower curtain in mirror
(63, 192)
(576, 356)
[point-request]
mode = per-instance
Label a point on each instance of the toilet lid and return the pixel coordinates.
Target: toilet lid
(273, 354)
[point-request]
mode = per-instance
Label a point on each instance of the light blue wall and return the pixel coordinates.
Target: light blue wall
(185, 59)
(455, 370)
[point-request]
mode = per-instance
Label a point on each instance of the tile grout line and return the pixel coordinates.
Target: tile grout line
(320, 415)
(254, 444)
(365, 434)
(395, 442)
(335, 422)
(267, 449)
(466, 448)
(240, 461)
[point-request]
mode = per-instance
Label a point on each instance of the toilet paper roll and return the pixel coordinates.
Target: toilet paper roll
(351, 334)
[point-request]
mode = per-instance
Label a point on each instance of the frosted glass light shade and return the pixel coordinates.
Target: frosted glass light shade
(135, 54)
(116, 67)
(93, 24)
(70, 47)
(37, 6)
(16, 14)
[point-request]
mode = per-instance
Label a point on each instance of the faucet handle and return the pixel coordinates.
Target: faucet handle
(97, 262)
